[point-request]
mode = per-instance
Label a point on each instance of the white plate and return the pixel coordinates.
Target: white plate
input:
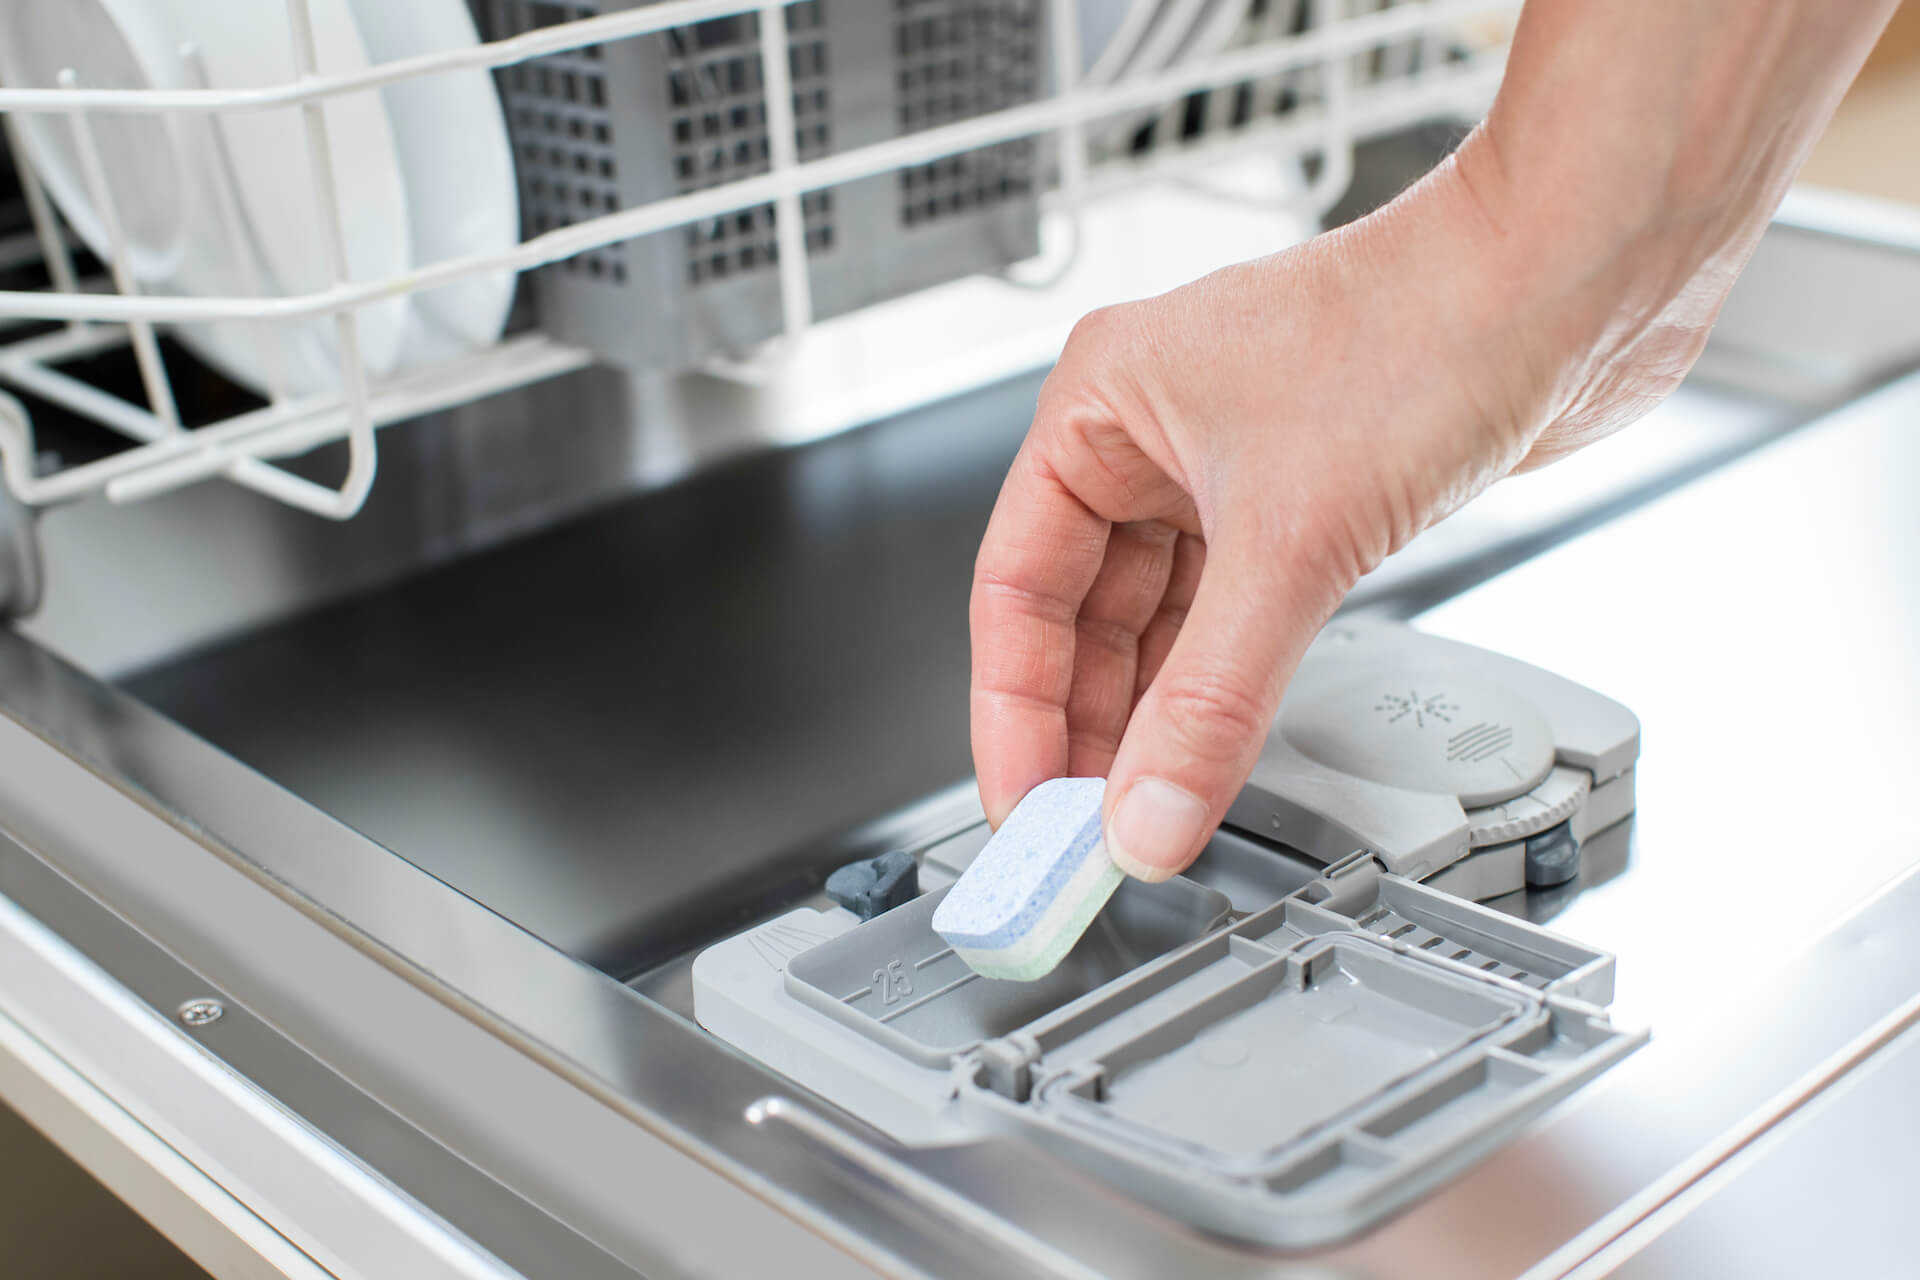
(246, 44)
(108, 44)
(158, 169)
(462, 197)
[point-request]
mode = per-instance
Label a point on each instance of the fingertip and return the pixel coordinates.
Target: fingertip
(1156, 829)
(1144, 872)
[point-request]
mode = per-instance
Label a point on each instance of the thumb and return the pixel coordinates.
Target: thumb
(1194, 737)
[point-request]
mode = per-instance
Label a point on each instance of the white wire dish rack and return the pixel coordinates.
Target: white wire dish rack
(1300, 77)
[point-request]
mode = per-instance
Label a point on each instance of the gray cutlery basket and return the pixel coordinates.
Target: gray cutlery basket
(621, 125)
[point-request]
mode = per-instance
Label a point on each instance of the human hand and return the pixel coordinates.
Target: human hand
(1210, 471)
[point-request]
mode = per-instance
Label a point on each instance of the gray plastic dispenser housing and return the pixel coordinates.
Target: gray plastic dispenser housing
(1444, 761)
(1274, 1048)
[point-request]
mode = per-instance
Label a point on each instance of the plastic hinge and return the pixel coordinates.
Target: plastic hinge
(1340, 868)
(1004, 1065)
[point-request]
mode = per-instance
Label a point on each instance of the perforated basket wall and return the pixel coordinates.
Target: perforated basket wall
(624, 124)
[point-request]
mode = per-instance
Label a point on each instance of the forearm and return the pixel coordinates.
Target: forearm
(1621, 115)
(1625, 173)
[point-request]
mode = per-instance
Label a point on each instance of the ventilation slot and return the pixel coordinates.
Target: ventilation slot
(1396, 927)
(718, 107)
(655, 116)
(563, 136)
(954, 60)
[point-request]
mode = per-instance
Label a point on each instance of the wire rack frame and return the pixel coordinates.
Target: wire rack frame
(165, 456)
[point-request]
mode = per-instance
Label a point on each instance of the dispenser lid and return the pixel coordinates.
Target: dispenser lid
(1425, 730)
(1419, 749)
(1304, 1072)
(1274, 1060)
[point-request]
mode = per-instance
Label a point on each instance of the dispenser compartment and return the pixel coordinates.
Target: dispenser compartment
(1298, 1076)
(1284, 1067)
(1296, 1037)
(897, 982)
(1297, 1041)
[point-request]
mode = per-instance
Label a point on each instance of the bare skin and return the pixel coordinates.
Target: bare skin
(1210, 471)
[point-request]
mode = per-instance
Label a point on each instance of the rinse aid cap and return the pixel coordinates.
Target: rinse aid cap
(1423, 751)
(1431, 731)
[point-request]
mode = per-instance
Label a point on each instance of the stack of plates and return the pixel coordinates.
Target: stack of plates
(423, 170)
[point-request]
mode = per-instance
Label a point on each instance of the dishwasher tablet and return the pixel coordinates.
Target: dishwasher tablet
(1029, 895)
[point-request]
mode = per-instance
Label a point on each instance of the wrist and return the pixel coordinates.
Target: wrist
(1485, 290)
(1562, 281)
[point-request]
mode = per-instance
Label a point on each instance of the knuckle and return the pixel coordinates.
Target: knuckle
(994, 592)
(1213, 716)
(1172, 617)
(1106, 635)
(1104, 333)
(1094, 327)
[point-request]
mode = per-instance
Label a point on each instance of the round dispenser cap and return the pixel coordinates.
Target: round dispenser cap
(1547, 805)
(1431, 731)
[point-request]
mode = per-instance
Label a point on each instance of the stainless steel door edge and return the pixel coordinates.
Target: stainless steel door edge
(307, 1095)
(196, 1215)
(278, 1173)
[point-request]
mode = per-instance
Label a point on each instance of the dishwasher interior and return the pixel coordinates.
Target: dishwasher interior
(645, 732)
(640, 695)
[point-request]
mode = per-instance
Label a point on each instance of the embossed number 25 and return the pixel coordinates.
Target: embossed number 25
(893, 982)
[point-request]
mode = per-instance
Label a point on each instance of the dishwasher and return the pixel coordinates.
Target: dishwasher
(445, 671)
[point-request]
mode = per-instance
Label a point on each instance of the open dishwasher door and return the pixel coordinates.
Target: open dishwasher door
(465, 914)
(1279, 1052)
(466, 1015)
